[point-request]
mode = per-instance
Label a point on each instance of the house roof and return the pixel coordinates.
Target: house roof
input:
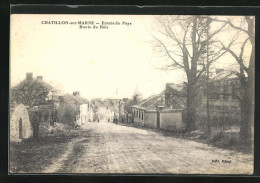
(100, 104)
(151, 102)
(33, 81)
(175, 89)
(223, 75)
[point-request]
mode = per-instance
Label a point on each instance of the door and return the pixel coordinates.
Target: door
(158, 119)
(20, 128)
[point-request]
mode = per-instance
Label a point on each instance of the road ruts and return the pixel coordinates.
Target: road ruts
(113, 149)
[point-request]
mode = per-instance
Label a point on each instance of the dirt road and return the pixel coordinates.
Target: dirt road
(111, 148)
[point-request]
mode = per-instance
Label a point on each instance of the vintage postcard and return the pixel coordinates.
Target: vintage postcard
(131, 94)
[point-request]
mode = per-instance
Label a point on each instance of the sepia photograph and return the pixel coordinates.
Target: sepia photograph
(131, 94)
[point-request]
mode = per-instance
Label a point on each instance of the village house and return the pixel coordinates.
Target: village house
(101, 113)
(224, 105)
(109, 109)
(85, 114)
(110, 115)
(112, 108)
(153, 113)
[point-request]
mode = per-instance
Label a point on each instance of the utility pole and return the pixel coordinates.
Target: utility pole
(207, 75)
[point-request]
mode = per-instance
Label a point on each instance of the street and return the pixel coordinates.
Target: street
(110, 148)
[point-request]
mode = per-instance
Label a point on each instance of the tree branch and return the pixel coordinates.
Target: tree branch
(231, 25)
(167, 52)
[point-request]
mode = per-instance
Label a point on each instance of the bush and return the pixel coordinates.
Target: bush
(224, 140)
(66, 114)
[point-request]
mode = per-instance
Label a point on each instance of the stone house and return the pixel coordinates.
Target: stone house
(153, 113)
(224, 104)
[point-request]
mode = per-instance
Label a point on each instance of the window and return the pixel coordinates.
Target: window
(142, 115)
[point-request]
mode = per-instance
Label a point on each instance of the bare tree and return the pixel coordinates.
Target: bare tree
(183, 40)
(246, 74)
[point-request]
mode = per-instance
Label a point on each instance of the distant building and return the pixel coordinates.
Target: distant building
(224, 105)
(110, 109)
(110, 115)
(100, 110)
(85, 115)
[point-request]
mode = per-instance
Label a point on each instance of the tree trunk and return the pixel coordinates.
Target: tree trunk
(34, 118)
(247, 103)
(191, 108)
(247, 108)
(246, 118)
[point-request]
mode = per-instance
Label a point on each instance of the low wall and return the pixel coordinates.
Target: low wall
(218, 118)
(150, 119)
(171, 120)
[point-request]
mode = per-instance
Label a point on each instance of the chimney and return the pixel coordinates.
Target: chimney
(76, 93)
(29, 76)
(39, 77)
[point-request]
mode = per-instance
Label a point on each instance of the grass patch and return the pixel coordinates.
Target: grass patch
(32, 156)
(69, 164)
(219, 140)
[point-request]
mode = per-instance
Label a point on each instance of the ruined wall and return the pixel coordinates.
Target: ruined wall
(20, 114)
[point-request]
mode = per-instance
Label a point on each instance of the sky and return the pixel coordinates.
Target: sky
(99, 63)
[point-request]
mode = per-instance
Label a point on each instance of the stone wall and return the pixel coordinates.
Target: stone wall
(171, 120)
(150, 119)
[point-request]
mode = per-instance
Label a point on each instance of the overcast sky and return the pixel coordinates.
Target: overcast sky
(94, 62)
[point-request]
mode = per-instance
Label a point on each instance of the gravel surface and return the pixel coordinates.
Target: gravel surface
(111, 148)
